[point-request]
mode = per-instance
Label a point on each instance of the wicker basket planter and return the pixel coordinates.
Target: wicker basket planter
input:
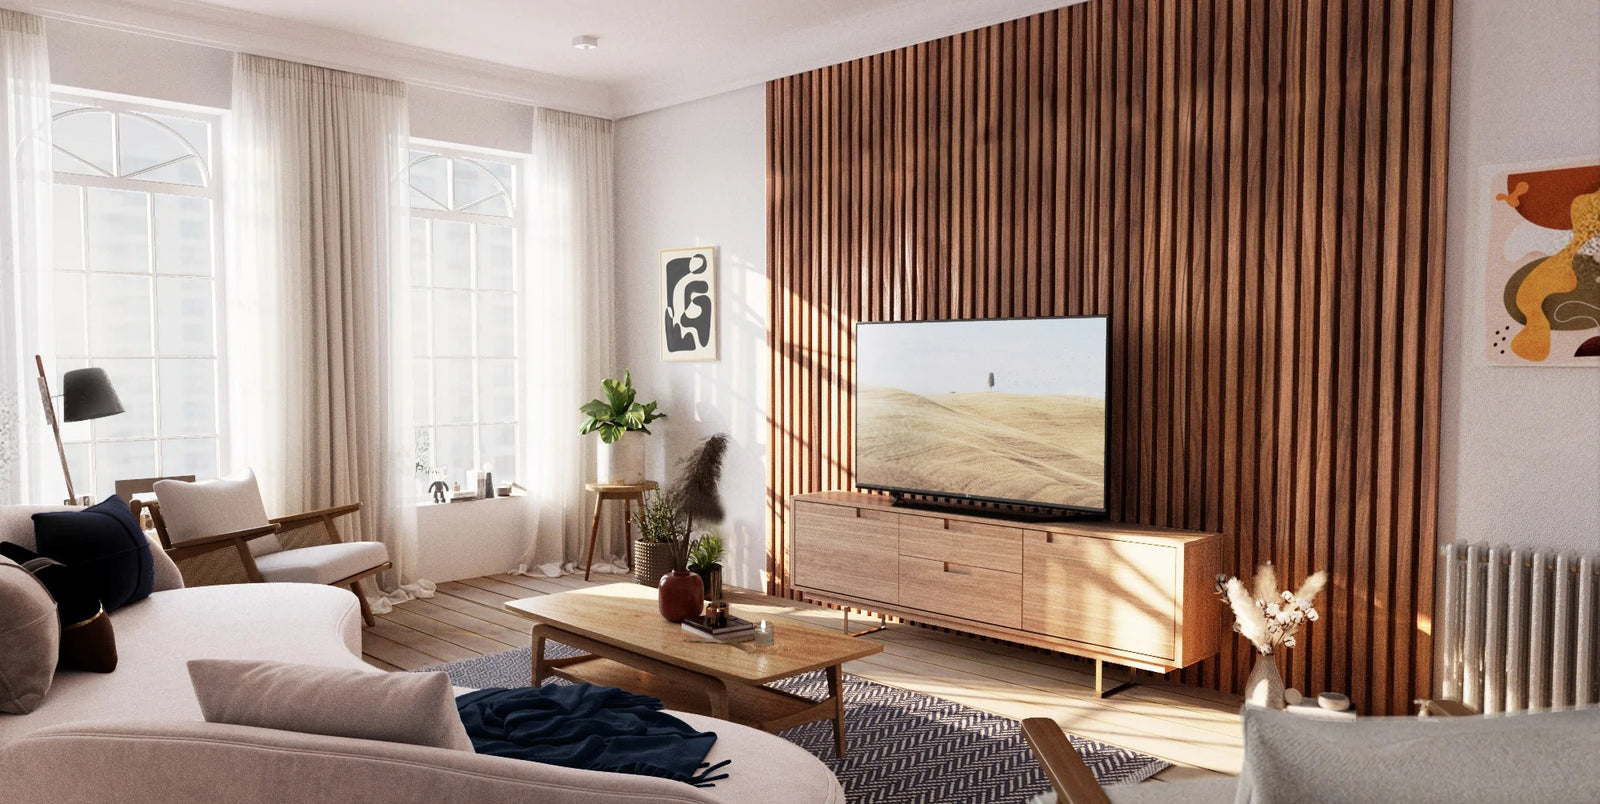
(651, 560)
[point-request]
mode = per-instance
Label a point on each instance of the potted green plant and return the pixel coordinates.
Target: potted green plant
(661, 524)
(705, 560)
(622, 422)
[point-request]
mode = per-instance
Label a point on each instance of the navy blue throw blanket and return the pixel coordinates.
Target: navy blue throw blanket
(588, 727)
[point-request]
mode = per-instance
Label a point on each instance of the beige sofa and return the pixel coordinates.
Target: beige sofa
(136, 735)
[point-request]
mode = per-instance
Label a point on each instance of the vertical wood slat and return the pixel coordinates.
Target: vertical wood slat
(1251, 190)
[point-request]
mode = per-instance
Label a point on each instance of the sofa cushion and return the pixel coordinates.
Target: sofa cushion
(105, 546)
(414, 708)
(214, 507)
(1546, 757)
(88, 641)
(321, 563)
(290, 622)
(30, 635)
(16, 526)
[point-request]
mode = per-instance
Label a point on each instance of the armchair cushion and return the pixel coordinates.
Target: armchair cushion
(211, 507)
(1545, 757)
(322, 563)
(105, 546)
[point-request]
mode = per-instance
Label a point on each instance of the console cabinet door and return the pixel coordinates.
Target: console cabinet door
(849, 551)
(1103, 592)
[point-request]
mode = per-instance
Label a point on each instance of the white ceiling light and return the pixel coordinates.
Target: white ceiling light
(585, 42)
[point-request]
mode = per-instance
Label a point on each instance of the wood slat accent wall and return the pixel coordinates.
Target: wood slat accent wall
(1253, 191)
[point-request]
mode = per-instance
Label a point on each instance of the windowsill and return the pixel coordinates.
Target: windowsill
(432, 504)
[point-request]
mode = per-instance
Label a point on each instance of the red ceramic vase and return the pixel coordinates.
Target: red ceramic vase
(680, 595)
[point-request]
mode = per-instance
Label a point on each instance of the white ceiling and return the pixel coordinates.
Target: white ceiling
(652, 54)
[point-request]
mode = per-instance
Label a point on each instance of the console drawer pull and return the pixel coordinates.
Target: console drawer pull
(957, 569)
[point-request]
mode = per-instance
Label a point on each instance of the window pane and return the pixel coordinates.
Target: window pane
(473, 184)
(196, 133)
(79, 458)
(122, 460)
(499, 443)
(189, 456)
(86, 137)
(117, 223)
(422, 391)
(429, 182)
(452, 450)
(497, 390)
(188, 397)
(146, 144)
(71, 324)
(183, 234)
(452, 254)
(68, 225)
(119, 315)
(184, 315)
(135, 384)
(187, 171)
(452, 391)
(496, 257)
(452, 322)
(420, 327)
(497, 324)
(419, 252)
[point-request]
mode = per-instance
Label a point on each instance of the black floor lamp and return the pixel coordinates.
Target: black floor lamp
(85, 394)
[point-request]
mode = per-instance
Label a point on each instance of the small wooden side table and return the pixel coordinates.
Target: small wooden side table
(628, 493)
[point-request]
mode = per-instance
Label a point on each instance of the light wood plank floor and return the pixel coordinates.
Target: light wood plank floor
(1197, 730)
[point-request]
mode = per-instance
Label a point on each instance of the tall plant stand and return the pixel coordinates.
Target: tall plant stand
(628, 493)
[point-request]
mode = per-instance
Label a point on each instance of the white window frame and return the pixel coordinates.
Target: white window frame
(218, 119)
(515, 221)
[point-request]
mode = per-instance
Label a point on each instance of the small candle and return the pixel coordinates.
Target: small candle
(764, 635)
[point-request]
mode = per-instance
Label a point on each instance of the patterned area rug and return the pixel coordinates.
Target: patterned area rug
(904, 746)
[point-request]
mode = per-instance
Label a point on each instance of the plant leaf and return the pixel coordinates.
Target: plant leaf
(595, 409)
(609, 432)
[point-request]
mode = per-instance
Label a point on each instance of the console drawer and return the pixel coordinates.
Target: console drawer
(849, 551)
(972, 593)
(1114, 594)
(971, 544)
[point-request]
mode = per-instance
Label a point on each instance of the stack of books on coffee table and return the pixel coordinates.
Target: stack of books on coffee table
(737, 630)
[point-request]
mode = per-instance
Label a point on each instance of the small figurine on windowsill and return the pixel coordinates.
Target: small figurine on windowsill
(439, 491)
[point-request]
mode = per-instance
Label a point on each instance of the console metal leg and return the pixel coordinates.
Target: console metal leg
(1100, 681)
(883, 623)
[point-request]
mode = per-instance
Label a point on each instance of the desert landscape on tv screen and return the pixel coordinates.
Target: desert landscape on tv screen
(1011, 410)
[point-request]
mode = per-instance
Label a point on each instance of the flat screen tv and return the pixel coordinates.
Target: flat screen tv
(1009, 412)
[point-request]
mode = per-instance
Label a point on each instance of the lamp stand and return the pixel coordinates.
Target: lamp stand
(55, 427)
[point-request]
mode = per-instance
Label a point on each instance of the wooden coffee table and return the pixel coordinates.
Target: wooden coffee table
(630, 646)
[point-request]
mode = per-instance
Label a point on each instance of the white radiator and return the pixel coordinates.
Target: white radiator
(1517, 629)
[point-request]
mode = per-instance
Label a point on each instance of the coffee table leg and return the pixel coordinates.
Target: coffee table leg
(836, 692)
(717, 697)
(538, 658)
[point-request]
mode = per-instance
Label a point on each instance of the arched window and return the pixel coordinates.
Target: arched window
(135, 255)
(464, 280)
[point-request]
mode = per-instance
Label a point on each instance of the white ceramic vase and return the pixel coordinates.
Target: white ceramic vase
(622, 462)
(1264, 687)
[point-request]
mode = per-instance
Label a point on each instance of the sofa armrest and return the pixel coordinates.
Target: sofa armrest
(1072, 779)
(184, 762)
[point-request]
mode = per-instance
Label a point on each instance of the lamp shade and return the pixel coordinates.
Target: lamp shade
(87, 394)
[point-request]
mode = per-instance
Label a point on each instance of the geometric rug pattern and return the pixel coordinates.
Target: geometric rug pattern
(904, 747)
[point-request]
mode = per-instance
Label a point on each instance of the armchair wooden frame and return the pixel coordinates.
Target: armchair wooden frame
(240, 542)
(1072, 779)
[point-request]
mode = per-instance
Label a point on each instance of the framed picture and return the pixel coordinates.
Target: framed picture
(689, 306)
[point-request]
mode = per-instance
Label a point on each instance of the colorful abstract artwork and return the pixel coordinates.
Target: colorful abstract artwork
(1543, 266)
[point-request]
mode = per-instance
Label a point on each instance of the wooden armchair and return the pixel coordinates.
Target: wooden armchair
(1072, 779)
(218, 532)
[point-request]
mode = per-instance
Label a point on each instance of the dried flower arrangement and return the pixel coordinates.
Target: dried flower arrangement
(1267, 616)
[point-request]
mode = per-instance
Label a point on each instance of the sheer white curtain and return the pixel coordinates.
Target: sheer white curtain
(319, 299)
(569, 345)
(26, 451)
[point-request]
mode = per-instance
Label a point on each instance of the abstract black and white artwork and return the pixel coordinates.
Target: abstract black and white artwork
(689, 303)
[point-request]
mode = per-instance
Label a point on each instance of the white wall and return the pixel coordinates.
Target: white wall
(1520, 458)
(695, 174)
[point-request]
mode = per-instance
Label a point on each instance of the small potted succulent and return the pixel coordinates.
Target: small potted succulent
(622, 422)
(705, 560)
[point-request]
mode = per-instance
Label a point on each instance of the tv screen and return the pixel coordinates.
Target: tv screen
(1007, 411)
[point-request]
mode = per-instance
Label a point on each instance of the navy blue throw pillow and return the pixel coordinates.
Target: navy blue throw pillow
(104, 544)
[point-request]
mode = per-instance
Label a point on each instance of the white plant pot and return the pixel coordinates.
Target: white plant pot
(622, 462)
